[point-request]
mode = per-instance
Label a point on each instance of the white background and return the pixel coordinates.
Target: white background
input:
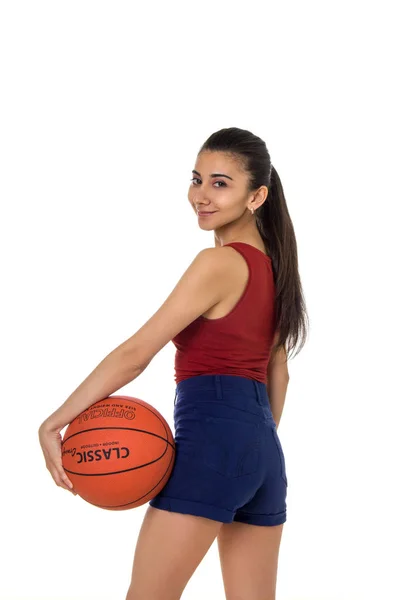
(104, 106)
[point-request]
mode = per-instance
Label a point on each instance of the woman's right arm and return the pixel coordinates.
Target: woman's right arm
(200, 287)
(277, 382)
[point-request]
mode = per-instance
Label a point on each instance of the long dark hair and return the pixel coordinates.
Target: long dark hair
(276, 229)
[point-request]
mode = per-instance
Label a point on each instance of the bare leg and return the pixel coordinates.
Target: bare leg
(249, 560)
(169, 548)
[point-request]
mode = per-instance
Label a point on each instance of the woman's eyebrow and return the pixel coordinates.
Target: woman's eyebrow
(213, 175)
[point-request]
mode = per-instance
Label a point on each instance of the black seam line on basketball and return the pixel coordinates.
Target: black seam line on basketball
(103, 428)
(141, 497)
(114, 472)
(151, 409)
(153, 434)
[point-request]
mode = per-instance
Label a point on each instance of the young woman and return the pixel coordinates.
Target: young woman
(230, 316)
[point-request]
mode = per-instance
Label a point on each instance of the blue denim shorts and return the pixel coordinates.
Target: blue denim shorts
(229, 463)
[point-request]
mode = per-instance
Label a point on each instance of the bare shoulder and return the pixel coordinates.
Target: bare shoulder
(201, 286)
(217, 261)
(225, 256)
(227, 266)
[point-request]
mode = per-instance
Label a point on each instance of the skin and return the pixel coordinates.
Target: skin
(232, 221)
(171, 545)
(248, 553)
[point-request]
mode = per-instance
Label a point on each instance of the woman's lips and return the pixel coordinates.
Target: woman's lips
(205, 214)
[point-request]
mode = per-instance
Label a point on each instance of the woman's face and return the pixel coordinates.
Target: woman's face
(218, 187)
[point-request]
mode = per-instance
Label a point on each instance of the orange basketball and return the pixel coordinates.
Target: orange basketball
(118, 453)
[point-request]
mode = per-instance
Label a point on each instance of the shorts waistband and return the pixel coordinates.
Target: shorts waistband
(220, 382)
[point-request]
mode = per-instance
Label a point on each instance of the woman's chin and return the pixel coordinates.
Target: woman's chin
(205, 226)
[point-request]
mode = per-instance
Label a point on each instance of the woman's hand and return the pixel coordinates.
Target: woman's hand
(50, 441)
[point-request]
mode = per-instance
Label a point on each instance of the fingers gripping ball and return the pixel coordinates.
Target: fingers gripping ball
(119, 453)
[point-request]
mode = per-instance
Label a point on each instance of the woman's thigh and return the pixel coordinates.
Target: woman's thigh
(169, 548)
(249, 560)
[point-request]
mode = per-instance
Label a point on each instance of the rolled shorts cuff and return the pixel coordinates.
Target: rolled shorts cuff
(189, 507)
(217, 514)
(255, 519)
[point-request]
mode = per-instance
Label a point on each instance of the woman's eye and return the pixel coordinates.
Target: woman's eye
(197, 179)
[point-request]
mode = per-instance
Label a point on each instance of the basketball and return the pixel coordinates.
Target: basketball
(118, 453)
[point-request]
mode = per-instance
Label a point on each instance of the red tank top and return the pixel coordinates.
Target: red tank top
(240, 342)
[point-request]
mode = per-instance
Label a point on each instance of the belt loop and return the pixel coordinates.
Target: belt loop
(176, 393)
(259, 399)
(218, 386)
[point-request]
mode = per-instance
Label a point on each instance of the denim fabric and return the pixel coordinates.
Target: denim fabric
(229, 463)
